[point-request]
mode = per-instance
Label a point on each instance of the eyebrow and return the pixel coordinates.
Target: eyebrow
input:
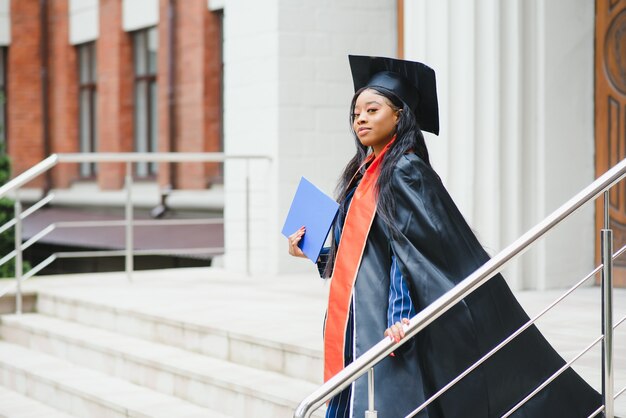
(369, 103)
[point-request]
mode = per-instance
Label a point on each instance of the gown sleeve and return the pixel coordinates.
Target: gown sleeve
(435, 249)
(400, 303)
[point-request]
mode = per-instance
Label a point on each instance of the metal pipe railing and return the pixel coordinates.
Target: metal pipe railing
(510, 338)
(128, 182)
(371, 410)
(551, 378)
(29, 175)
(106, 223)
(606, 249)
(601, 408)
(43, 202)
(129, 223)
(430, 313)
(157, 157)
(18, 256)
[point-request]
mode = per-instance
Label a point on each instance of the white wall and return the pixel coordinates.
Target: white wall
(5, 22)
(316, 89)
(568, 132)
(139, 14)
(84, 22)
(250, 127)
(515, 84)
(287, 94)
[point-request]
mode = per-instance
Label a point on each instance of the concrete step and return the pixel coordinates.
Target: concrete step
(86, 393)
(15, 405)
(224, 341)
(7, 301)
(230, 388)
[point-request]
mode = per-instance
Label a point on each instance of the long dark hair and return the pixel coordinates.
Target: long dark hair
(409, 138)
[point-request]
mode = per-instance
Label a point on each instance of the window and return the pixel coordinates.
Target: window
(3, 98)
(87, 102)
(145, 43)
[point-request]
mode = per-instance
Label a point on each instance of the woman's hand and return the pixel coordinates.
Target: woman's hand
(396, 331)
(294, 239)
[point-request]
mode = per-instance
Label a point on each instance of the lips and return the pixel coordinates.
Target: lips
(362, 131)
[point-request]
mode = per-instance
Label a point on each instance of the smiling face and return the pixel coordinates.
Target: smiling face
(374, 120)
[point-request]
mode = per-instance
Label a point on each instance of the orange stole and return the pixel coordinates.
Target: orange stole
(351, 246)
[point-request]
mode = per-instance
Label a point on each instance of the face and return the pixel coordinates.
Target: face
(374, 120)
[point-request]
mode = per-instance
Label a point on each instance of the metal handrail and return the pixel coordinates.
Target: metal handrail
(552, 377)
(511, 337)
(433, 311)
(104, 224)
(43, 202)
(48, 163)
(29, 175)
(107, 253)
(121, 157)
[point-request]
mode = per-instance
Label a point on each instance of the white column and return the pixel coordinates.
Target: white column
(569, 134)
(316, 89)
(515, 83)
(424, 22)
(487, 141)
(532, 176)
(250, 127)
(510, 134)
(287, 93)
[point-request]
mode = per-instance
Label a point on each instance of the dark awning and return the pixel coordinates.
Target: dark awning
(145, 237)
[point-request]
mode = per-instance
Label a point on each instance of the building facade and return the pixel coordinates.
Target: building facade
(112, 76)
(271, 78)
(516, 89)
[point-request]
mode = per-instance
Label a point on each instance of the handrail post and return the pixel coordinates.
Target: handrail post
(128, 181)
(371, 412)
(18, 253)
(248, 216)
(606, 238)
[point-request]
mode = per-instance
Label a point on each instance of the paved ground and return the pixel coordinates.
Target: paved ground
(290, 309)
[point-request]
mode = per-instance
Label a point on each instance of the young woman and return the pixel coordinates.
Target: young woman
(400, 243)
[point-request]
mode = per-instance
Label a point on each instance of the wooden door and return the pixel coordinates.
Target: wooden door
(610, 117)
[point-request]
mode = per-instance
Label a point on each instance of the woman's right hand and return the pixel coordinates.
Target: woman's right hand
(294, 239)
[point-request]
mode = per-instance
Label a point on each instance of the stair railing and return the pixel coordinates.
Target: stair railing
(14, 186)
(366, 362)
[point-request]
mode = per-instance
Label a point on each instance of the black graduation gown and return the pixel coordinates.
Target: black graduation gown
(436, 249)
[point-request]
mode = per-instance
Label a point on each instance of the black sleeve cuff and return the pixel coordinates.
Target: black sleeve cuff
(322, 261)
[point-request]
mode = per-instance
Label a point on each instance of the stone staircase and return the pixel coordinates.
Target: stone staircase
(98, 346)
(202, 342)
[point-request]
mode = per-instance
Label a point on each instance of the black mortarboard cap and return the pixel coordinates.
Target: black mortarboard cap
(413, 82)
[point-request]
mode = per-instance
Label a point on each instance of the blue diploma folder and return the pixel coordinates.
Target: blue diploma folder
(314, 210)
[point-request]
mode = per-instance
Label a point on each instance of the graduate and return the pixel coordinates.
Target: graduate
(399, 244)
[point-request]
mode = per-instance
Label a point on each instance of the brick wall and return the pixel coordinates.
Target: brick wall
(212, 91)
(24, 87)
(63, 91)
(115, 87)
(163, 90)
(197, 90)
